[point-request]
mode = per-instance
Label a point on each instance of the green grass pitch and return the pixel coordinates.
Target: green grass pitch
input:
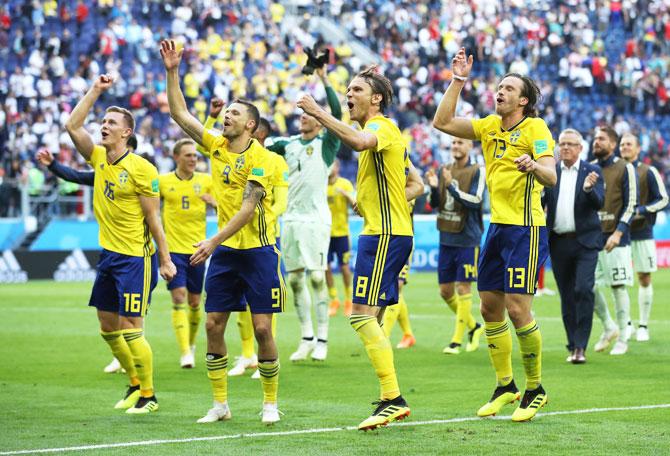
(53, 392)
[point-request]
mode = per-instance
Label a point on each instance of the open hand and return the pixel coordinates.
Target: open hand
(171, 56)
(461, 65)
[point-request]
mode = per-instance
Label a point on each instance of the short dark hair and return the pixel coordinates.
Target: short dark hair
(132, 142)
(176, 149)
(380, 84)
(610, 132)
(127, 115)
(530, 91)
(252, 110)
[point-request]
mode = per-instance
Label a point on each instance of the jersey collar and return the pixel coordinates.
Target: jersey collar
(514, 126)
(116, 162)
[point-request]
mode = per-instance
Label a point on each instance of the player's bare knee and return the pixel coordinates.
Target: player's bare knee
(446, 291)
(263, 332)
(464, 288)
(194, 300)
(645, 279)
(178, 295)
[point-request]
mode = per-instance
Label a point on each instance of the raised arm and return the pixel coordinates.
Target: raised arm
(151, 209)
(331, 143)
(178, 109)
(82, 140)
(64, 172)
(357, 140)
(253, 194)
(445, 119)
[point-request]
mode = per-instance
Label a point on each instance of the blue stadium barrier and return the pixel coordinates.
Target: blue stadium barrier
(72, 234)
(11, 230)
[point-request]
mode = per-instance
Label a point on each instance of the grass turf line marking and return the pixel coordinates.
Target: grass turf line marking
(318, 430)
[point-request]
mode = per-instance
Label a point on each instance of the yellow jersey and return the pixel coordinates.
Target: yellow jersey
(515, 196)
(230, 173)
(116, 203)
(381, 179)
(279, 180)
(184, 211)
(339, 206)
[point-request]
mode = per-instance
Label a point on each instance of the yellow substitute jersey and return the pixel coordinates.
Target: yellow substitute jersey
(184, 211)
(116, 201)
(515, 196)
(381, 179)
(279, 180)
(230, 173)
(339, 206)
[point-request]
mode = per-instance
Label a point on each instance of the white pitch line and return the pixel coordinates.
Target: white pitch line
(316, 431)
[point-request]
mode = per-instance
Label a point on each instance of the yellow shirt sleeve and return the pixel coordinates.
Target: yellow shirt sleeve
(97, 154)
(380, 129)
(207, 183)
(477, 126)
(146, 179)
(261, 169)
(347, 186)
(210, 139)
(543, 144)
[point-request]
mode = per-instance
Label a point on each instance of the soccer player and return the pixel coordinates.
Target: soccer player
(245, 262)
(307, 222)
(127, 207)
(248, 359)
(340, 197)
(519, 156)
(185, 195)
(653, 198)
(457, 195)
(614, 267)
(386, 241)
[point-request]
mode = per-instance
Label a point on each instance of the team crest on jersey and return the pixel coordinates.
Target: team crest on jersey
(197, 188)
(514, 137)
(239, 163)
(309, 150)
(123, 177)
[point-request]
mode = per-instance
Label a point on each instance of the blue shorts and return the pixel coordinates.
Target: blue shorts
(236, 277)
(339, 248)
(511, 258)
(124, 284)
(379, 261)
(404, 272)
(457, 264)
(191, 277)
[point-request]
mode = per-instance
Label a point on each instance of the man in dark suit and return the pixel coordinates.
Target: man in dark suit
(575, 237)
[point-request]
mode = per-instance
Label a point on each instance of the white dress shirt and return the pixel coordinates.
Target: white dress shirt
(564, 222)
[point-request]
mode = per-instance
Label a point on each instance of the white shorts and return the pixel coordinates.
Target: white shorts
(305, 246)
(644, 255)
(615, 267)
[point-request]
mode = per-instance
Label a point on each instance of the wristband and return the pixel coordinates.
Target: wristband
(459, 78)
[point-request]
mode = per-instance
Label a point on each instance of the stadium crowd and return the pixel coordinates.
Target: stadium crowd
(599, 61)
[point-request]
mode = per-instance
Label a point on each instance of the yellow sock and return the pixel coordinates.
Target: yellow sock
(380, 353)
(453, 303)
(246, 327)
(269, 371)
(530, 345)
(461, 318)
(391, 314)
(403, 316)
(466, 301)
(332, 293)
(143, 358)
(217, 367)
(348, 293)
(499, 339)
(194, 316)
(181, 327)
(122, 352)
